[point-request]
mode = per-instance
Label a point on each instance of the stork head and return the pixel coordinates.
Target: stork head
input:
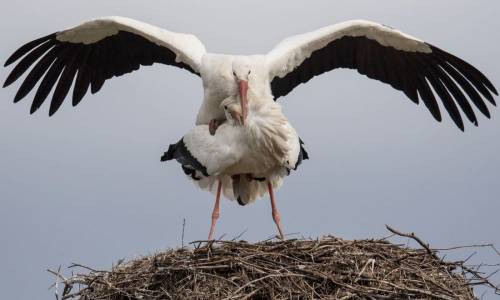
(241, 73)
(233, 110)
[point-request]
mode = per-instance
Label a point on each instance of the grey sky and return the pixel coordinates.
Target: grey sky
(87, 185)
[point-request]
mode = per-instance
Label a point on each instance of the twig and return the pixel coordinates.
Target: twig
(484, 280)
(257, 280)
(239, 235)
(471, 246)
(370, 261)
(56, 289)
(183, 226)
(75, 265)
(412, 236)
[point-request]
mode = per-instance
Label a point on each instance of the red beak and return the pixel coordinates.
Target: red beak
(243, 87)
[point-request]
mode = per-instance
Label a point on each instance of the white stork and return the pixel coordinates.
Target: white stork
(103, 48)
(249, 154)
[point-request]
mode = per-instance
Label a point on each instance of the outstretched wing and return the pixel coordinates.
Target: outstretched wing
(94, 52)
(385, 54)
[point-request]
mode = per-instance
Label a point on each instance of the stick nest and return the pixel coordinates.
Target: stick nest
(329, 268)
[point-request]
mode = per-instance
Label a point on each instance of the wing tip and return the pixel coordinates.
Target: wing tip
(6, 84)
(494, 90)
(10, 79)
(24, 49)
(34, 107)
(13, 58)
(460, 124)
(491, 99)
(436, 114)
(18, 97)
(52, 112)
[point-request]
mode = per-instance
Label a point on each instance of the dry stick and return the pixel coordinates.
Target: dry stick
(370, 261)
(239, 235)
(56, 292)
(348, 297)
(484, 280)
(74, 265)
(257, 280)
(471, 246)
(420, 291)
(469, 257)
(183, 226)
(414, 237)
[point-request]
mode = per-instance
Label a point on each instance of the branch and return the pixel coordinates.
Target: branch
(414, 237)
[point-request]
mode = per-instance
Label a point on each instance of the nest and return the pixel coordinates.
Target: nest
(329, 268)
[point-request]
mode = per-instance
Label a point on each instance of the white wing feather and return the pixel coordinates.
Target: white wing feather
(291, 52)
(187, 47)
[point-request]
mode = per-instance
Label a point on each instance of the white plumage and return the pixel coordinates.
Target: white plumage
(266, 147)
(187, 47)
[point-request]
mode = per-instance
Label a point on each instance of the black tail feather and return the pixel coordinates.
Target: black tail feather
(181, 153)
(169, 155)
(302, 154)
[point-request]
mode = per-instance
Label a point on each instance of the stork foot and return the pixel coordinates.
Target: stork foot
(213, 125)
(277, 220)
(276, 215)
(215, 212)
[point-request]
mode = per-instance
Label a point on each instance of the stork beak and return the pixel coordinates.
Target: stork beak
(238, 117)
(243, 87)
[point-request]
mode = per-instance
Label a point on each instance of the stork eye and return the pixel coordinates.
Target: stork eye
(234, 73)
(249, 71)
(225, 106)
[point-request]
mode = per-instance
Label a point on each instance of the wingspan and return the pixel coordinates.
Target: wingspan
(93, 52)
(388, 55)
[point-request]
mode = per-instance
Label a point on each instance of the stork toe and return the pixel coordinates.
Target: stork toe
(213, 125)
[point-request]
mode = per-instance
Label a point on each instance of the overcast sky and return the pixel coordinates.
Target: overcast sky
(87, 185)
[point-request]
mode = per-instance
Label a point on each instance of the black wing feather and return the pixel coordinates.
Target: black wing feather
(468, 88)
(477, 78)
(36, 73)
(91, 65)
(27, 62)
(428, 98)
(65, 81)
(49, 80)
(82, 81)
(456, 92)
(410, 72)
(28, 47)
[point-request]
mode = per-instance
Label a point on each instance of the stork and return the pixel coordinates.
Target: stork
(89, 54)
(250, 153)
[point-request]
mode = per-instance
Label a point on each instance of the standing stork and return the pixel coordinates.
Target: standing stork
(249, 154)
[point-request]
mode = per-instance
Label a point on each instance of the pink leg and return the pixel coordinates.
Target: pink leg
(215, 212)
(276, 215)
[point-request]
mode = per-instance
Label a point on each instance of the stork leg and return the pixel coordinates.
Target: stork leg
(276, 215)
(215, 212)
